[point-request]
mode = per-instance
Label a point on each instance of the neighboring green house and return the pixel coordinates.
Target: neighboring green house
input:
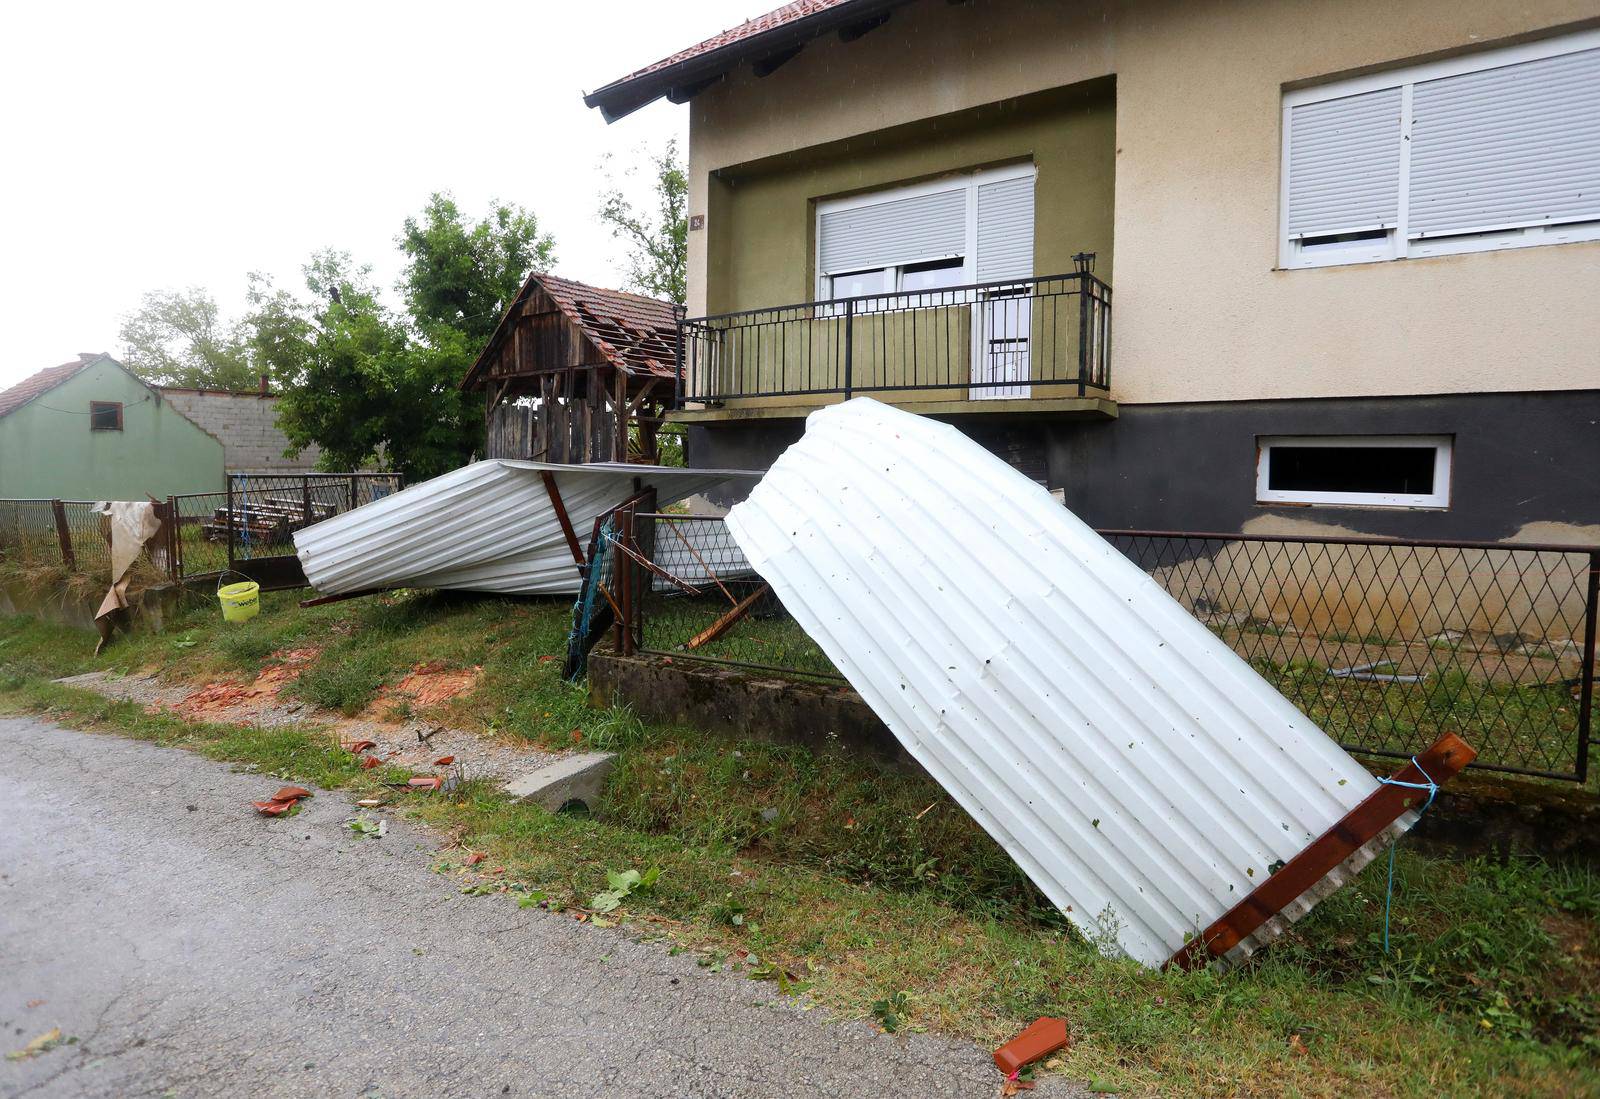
(91, 430)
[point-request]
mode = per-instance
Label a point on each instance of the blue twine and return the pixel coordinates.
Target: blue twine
(1433, 790)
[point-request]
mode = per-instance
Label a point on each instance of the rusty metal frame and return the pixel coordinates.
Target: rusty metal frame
(1324, 855)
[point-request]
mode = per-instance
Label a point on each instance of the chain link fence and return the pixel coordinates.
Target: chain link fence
(1384, 644)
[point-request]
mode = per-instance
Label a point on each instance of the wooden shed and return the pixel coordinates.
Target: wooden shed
(572, 368)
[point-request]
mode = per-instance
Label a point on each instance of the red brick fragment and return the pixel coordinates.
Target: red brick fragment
(1039, 1038)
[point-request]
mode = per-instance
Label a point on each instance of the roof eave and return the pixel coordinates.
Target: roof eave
(692, 75)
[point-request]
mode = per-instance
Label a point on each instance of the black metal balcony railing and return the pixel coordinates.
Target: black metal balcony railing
(1014, 338)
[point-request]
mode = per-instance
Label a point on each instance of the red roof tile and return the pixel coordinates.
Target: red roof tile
(41, 383)
(635, 333)
(750, 28)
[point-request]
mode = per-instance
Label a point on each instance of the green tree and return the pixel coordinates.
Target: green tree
(178, 337)
(372, 386)
(658, 238)
(463, 274)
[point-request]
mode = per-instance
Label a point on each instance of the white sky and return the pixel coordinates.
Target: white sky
(170, 144)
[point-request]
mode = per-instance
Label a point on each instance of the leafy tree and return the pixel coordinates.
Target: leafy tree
(177, 337)
(462, 274)
(358, 381)
(658, 239)
(373, 386)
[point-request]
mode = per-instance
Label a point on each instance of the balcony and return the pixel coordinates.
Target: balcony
(1022, 345)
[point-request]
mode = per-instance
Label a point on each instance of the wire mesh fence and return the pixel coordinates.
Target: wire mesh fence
(263, 511)
(1384, 644)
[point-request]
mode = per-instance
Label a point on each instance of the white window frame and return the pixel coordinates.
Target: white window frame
(968, 181)
(1397, 243)
(1442, 445)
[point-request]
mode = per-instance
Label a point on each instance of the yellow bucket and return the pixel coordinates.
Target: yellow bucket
(240, 602)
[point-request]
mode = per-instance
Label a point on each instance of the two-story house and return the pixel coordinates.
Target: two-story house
(1195, 265)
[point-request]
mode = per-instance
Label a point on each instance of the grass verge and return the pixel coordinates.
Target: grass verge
(866, 883)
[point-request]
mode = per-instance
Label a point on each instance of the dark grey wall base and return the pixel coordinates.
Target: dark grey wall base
(1519, 458)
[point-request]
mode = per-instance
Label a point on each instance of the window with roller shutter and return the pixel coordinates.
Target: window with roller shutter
(1499, 149)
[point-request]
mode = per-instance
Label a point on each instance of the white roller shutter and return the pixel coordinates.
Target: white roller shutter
(1507, 147)
(1005, 230)
(1344, 164)
(884, 234)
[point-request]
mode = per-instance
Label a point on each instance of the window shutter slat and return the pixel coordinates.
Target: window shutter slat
(1512, 146)
(905, 230)
(1344, 164)
(1005, 230)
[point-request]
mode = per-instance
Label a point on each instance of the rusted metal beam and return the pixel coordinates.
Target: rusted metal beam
(1440, 763)
(726, 622)
(554, 492)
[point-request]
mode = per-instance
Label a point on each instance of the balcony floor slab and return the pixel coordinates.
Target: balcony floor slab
(1088, 408)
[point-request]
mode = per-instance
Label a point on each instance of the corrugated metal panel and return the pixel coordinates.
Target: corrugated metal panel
(1140, 772)
(902, 230)
(1005, 230)
(488, 526)
(1512, 146)
(1344, 164)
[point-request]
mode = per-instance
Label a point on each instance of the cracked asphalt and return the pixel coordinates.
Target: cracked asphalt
(196, 949)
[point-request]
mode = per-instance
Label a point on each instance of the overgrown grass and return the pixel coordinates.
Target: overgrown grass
(866, 882)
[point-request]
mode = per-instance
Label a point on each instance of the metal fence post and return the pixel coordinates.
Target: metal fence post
(1586, 684)
(849, 355)
(230, 520)
(174, 540)
(1084, 290)
(64, 535)
(305, 501)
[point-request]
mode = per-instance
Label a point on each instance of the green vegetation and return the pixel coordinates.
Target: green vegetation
(870, 890)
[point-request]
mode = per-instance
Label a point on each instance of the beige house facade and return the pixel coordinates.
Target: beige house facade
(1223, 265)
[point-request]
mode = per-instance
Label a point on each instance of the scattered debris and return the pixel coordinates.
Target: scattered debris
(285, 802)
(891, 1012)
(444, 761)
(426, 782)
(369, 803)
(369, 762)
(1039, 1038)
(366, 828)
(47, 1041)
(623, 885)
(360, 746)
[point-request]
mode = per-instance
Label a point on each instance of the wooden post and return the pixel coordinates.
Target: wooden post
(64, 535)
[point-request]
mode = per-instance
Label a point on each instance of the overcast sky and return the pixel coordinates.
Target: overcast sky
(162, 144)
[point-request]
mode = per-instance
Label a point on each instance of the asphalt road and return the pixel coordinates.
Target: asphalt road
(195, 949)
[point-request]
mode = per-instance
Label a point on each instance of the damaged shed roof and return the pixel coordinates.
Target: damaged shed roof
(631, 332)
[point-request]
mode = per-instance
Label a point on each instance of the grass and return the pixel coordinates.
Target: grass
(868, 883)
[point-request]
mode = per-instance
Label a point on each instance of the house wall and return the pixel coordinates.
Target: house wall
(247, 426)
(767, 209)
(48, 451)
(1202, 313)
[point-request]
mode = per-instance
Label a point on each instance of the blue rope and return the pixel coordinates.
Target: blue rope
(1432, 787)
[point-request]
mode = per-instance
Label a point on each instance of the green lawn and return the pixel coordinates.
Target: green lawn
(861, 882)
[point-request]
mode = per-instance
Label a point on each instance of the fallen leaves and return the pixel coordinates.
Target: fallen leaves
(623, 884)
(475, 858)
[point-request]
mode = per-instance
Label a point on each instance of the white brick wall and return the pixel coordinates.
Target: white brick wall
(247, 426)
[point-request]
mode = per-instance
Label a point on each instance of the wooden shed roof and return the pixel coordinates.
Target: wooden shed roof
(635, 334)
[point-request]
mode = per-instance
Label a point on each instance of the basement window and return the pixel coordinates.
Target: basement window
(105, 416)
(1392, 471)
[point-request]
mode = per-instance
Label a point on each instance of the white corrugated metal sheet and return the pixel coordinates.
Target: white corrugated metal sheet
(1143, 775)
(488, 526)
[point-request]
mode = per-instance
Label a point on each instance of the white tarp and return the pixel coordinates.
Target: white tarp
(1141, 773)
(488, 526)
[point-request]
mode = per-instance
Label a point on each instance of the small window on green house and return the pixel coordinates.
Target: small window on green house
(105, 416)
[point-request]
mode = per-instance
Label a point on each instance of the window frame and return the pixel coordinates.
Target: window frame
(96, 408)
(1293, 254)
(1443, 447)
(967, 181)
